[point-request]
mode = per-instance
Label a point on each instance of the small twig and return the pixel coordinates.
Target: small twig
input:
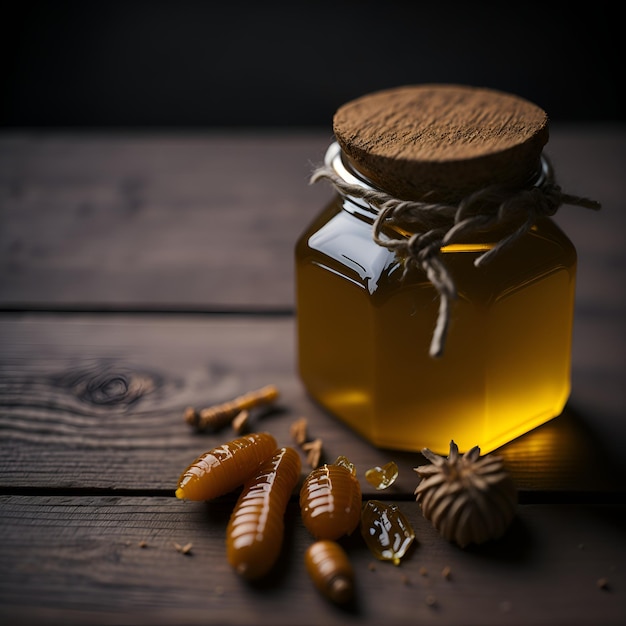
(298, 430)
(186, 549)
(220, 415)
(314, 452)
(240, 421)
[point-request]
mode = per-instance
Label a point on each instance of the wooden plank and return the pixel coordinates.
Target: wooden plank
(96, 402)
(183, 220)
(210, 220)
(76, 560)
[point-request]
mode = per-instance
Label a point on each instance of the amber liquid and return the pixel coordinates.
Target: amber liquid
(364, 336)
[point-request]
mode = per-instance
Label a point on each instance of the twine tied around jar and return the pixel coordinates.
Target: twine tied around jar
(436, 225)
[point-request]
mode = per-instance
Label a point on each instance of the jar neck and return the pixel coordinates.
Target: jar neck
(338, 162)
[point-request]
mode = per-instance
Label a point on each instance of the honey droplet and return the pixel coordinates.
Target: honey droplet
(386, 531)
(382, 477)
(345, 462)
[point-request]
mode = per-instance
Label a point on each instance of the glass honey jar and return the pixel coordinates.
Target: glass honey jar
(434, 293)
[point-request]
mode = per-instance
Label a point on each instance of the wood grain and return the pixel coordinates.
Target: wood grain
(170, 221)
(85, 558)
(132, 221)
(105, 396)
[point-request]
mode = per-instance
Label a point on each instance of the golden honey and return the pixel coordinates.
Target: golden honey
(364, 332)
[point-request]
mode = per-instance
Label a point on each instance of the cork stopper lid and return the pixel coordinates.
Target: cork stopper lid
(441, 142)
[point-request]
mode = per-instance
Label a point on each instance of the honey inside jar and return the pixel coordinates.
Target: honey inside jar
(364, 332)
(363, 338)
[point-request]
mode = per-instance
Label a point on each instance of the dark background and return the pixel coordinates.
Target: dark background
(190, 63)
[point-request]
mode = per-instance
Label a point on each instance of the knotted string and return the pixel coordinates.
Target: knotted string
(435, 225)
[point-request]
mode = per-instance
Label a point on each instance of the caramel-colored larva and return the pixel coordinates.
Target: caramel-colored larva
(330, 500)
(222, 469)
(255, 531)
(330, 570)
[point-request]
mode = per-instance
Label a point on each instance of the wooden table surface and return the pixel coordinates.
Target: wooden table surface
(145, 272)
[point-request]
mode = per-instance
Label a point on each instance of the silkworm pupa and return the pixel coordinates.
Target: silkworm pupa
(225, 467)
(330, 500)
(330, 570)
(254, 535)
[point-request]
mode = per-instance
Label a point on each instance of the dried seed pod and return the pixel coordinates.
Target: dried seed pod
(469, 498)
(330, 500)
(254, 535)
(330, 570)
(225, 467)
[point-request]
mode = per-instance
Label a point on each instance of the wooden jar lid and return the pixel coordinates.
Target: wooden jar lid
(441, 142)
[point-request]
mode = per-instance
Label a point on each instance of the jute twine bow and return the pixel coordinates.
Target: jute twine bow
(435, 225)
